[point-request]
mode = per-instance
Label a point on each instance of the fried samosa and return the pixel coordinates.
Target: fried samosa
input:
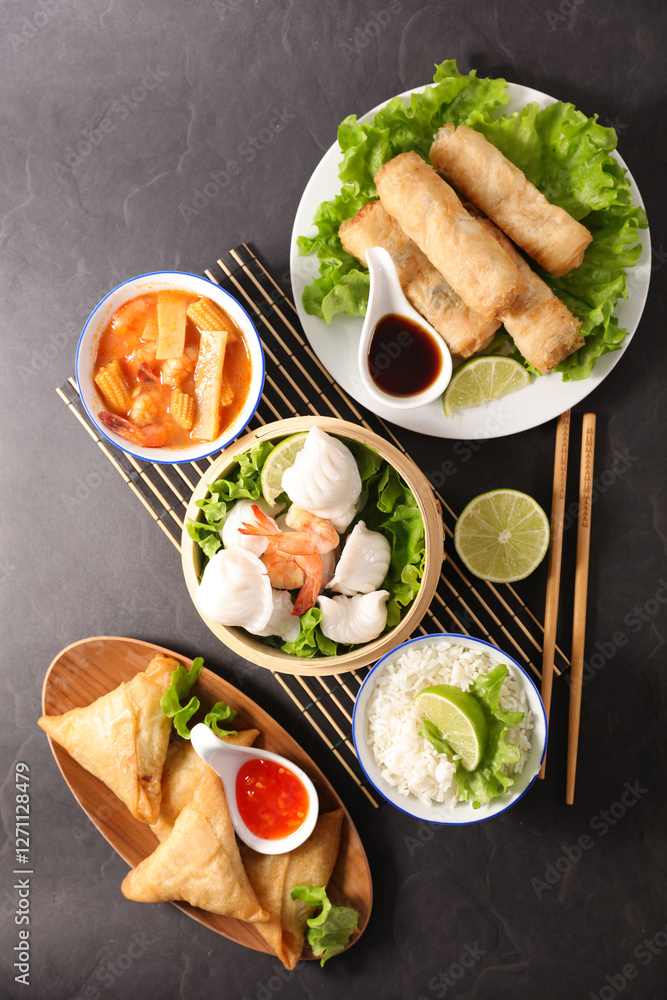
(182, 770)
(273, 876)
(122, 738)
(199, 862)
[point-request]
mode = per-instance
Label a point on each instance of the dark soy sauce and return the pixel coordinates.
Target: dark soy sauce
(403, 358)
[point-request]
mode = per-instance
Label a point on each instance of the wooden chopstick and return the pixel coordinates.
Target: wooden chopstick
(580, 597)
(555, 561)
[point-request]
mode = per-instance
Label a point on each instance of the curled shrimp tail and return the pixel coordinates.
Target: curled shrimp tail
(147, 374)
(153, 436)
(307, 596)
(264, 525)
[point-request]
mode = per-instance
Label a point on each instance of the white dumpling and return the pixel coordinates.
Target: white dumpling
(364, 563)
(354, 619)
(242, 512)
(236, 590)
(324, 479)
(282, 622)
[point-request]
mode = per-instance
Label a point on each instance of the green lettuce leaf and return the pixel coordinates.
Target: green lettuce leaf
(488, 779)
(221, 712)
(223, 492)
(330, 930)
(182, 681)
(564, 153)
(311, 641)
(343, 283)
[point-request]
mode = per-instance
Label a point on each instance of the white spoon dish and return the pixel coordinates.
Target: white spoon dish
(227, 760)
(403, 361)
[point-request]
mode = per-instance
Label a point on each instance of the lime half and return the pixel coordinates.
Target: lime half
(481, 379)
(502, 536)
(460, 718)
(280, 459)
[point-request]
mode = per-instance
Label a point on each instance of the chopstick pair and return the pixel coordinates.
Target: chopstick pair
(580, 580)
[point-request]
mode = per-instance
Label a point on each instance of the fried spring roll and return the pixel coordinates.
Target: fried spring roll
(541, 326)
(463, 330)
(503, 192)
(430, 213)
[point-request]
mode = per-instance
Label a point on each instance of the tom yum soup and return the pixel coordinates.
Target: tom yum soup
(173, 368)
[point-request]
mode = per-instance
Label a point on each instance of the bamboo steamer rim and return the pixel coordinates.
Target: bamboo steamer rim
(247, 645)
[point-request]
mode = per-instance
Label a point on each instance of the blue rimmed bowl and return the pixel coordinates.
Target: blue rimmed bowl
(462, 812)
(89, 342)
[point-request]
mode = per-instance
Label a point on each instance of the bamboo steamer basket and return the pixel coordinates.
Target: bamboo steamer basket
(249, 646)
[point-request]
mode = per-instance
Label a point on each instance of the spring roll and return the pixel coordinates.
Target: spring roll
(482, 173)
(541, 326)
(430, 213)
(463, 331)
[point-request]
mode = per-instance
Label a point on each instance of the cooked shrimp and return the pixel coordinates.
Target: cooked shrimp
(145, 408)
(147, 374)
(145, 352)
(307, 596)
(153, 436)
(176, 370)
(283, 571)
(311, 535)
(298, 550)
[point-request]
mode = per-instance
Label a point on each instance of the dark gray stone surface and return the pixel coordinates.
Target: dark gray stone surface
(185, 89)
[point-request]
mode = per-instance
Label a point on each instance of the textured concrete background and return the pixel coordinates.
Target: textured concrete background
(142, 136)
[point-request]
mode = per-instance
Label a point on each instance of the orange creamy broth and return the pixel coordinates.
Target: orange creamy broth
(122, 339)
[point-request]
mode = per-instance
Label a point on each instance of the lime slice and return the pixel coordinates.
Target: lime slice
(481, 379)
(280, 459)
(460, 718)
(502, 536)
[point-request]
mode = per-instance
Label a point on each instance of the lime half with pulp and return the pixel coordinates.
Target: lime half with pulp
(502, 536)
(460, 718)
(281, 458)
(482, 379)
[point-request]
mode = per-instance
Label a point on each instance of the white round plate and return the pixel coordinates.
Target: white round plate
(336, 344)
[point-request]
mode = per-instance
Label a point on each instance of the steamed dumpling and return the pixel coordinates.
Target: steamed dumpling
(354, 619)
(242, 513)
(364, 563)
(324, 479)
(236, 590)
(282, 622)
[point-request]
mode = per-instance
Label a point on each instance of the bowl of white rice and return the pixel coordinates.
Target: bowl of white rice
(402, 765)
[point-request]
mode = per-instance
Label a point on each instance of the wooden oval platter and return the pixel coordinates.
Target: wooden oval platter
(249, 646)
(87, 669)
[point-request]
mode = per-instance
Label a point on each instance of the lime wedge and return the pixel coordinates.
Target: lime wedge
(280, 459)
(460, 718)
(502, 536)
(481, 379)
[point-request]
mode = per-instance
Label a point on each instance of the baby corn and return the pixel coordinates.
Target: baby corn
(206, 315)
(182, 408)
(226, 392)
(110, 380)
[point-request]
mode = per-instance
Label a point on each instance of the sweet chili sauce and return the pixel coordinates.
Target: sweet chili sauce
(403, 357)
(272, 801)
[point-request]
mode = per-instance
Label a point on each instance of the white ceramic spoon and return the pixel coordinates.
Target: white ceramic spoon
(226, 760)
(386, 297)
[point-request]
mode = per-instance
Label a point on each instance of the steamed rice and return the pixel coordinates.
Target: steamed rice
(407, 760)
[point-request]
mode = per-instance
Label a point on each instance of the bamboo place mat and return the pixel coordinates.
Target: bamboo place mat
(298, 385)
